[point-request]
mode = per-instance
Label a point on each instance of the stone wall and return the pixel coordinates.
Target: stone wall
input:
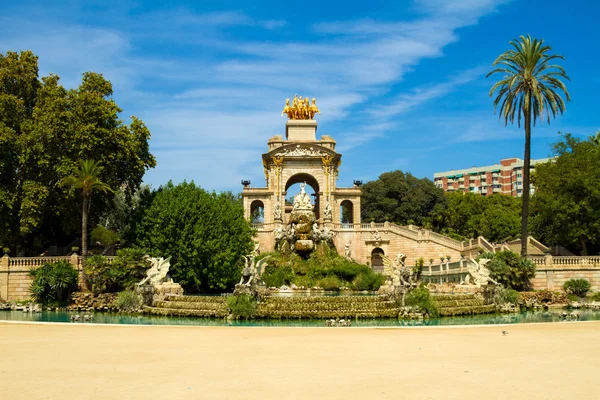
(14, 274)
(553, 272)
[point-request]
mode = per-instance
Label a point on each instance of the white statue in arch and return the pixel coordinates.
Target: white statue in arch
(302, 199)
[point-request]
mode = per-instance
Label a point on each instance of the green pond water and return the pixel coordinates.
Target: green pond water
(483, 319)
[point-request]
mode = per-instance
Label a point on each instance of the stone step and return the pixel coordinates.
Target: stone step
(183, 305)
(199, 299)
(186, 312)
(326, 314)
(440, 297)
(459, 303)
(316, 306)
(482, 309)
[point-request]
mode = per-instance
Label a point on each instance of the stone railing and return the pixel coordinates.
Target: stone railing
(565, 261)
(445, 271)
(14, 273)
(485, 245)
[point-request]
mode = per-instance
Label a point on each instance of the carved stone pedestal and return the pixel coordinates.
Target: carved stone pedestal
(159, 292)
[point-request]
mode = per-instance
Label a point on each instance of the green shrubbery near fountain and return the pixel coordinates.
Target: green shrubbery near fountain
(324, 268)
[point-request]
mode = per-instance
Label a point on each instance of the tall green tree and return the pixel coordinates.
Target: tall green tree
(45, 130)
(87, 178)
(470, 215)
(565, 209)
(401, 198)
(205, 234)
(529, 88)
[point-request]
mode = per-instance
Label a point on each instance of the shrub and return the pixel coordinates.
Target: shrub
(53, 282)
(104, 236)
(503, 296)
(577, 287)
(329, 283)
(369, 281)
(511, 270)
(595, 297)
(511, 296)
(242, 306)
(127, 268)
(128, 300)
(421, 298)
(277, 276)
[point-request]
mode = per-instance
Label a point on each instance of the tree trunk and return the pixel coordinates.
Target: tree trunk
(583, 244)
(84, 240)
(525, 193)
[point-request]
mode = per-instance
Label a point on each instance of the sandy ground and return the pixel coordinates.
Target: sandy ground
(69, 361)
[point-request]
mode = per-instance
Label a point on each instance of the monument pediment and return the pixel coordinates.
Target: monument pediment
(301, 150)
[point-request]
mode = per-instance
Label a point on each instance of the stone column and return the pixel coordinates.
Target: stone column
(4, 277)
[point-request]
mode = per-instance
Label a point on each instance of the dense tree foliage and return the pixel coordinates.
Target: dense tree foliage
(401, 198)
(530, 88)
(205, 234)
(45, 130)
(566, 207)
(470, 215)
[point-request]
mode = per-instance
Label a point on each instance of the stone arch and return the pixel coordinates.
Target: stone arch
(346, 212)
(257, 212)
(310, 181)
(376, 259)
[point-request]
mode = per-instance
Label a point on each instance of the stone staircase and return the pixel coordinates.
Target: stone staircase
(461, 304)
(313, 307)
(319, 307)
(190, 306)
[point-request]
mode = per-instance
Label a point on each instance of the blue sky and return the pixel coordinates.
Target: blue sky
(401, 85)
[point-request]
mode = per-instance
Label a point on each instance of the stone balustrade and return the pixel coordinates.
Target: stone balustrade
(551, 272)
(14, 273)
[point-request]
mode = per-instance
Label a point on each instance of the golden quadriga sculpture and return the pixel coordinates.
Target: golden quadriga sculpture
(301, 108)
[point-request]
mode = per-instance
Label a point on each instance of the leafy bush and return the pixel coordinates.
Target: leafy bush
(421, 298)
(128, 300)
(511, 270)
(511, 296)
(577, 287)
(53, 282)
(502, 296)
(104, 236)
(278, 276)
(324, 268)
(242, 306)
(329, 283)
(127, 268)
(369, 281)
(595, 297)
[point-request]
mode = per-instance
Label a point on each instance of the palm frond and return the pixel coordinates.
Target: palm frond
(529, 83)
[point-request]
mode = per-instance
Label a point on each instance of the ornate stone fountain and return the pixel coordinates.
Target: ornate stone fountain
(302, 234)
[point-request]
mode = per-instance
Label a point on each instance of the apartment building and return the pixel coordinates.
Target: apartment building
(505, 178)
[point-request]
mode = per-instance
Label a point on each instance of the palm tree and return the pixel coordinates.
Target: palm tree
(87, 178)
(529, 87)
